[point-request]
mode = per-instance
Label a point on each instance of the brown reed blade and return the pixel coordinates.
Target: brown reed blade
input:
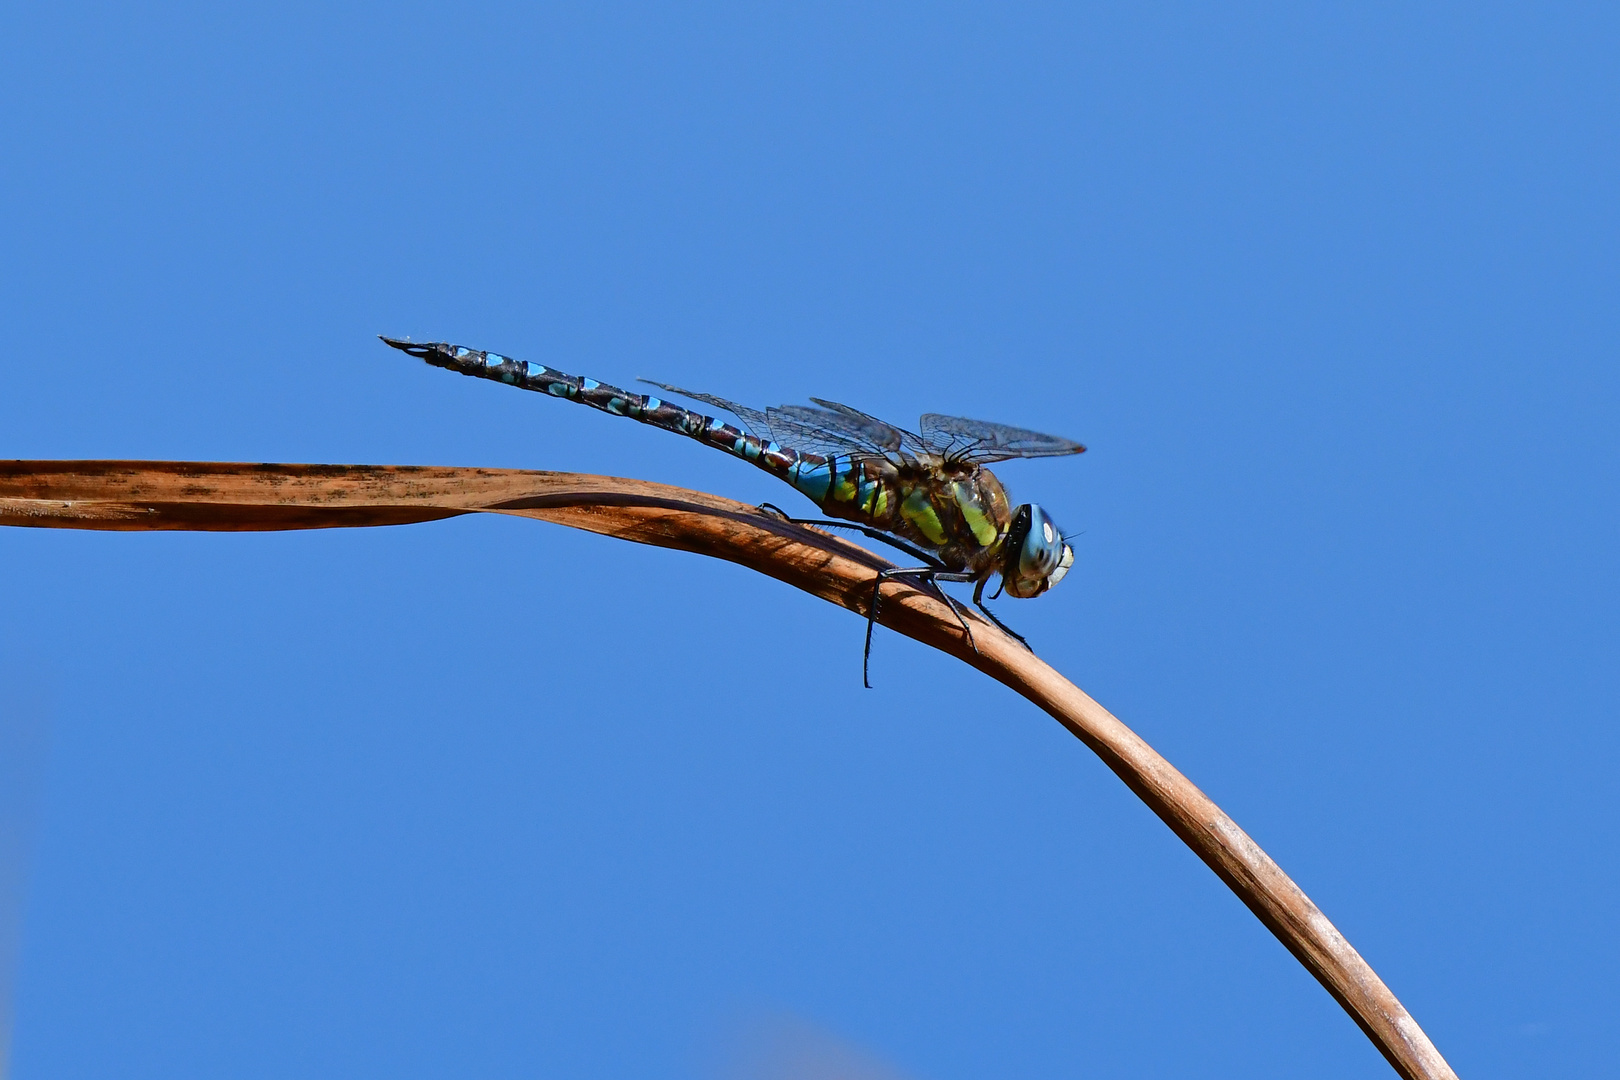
(146, 495)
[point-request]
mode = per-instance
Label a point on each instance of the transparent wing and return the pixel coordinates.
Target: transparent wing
(982, 442)
(804, 433)
(876, 436)
(776, 426)
(833, 428)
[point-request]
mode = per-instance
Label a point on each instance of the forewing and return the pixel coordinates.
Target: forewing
(982, 441)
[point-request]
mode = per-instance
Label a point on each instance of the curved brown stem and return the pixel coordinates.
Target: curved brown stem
(132, 495)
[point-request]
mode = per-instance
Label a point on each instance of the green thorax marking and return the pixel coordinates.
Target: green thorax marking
(918, 508)
(974, 512)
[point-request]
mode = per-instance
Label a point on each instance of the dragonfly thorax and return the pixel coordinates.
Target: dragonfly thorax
(960, 514)
(1035, 557)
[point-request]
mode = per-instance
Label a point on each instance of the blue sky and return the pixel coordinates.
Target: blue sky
(1329, 291)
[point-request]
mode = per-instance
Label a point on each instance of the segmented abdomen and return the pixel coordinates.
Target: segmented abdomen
(855, 489)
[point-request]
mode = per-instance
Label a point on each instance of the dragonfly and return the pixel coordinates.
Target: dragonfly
(926, 493)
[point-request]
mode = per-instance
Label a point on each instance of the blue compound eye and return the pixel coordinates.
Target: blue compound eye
(1042, 547)
(1037, 558)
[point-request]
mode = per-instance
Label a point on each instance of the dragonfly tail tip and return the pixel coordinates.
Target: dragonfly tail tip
(411, 348)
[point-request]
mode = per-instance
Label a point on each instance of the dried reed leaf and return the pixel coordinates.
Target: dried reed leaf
(146, 495)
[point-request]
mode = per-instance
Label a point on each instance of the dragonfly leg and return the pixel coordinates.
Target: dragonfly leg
(978, 602)
(927, 576)
(895, 542)
(959, 611)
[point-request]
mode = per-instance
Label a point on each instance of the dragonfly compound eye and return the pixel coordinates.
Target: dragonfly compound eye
(1037, 558)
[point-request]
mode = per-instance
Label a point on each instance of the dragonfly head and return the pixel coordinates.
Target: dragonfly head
(1036, 556)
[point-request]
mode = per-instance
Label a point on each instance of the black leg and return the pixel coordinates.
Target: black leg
(876, 534)
(1001, 625)
(978, 602)
(924, 575)
(959, 611)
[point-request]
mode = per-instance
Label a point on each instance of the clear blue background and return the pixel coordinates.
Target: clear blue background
(1330, 292)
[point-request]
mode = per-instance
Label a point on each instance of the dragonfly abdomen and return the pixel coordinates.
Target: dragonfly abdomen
(843, 485)
(645, 408)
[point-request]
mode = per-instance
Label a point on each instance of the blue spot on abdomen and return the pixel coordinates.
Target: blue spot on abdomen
(814, 480)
